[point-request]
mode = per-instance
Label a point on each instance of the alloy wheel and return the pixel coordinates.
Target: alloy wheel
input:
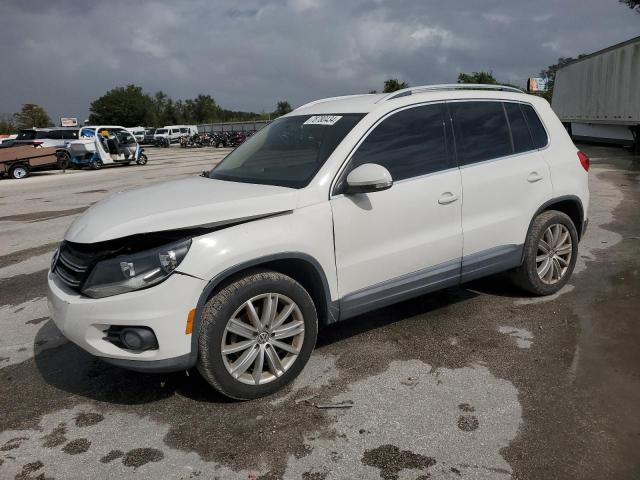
(553, 257)
(263, 338)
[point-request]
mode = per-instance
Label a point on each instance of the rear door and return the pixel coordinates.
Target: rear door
(505, 180)
(406, 240)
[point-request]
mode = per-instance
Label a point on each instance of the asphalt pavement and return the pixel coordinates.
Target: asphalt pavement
(476, 382)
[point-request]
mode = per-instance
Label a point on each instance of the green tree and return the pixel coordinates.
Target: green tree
(282, 108)
(632, 4)
(32, 115)
(477, 77)
(393, 85)
(128, 106)
(6, 124)
(202, 109)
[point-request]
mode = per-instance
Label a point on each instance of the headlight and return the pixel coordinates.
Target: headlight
(126, 273)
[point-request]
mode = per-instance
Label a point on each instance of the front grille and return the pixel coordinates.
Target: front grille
(73, 266)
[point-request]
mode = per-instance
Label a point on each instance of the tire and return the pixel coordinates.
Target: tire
(19, 171)
(231, 302)
(142, 160)
(559, 263)
(96, 164)
(63, 160)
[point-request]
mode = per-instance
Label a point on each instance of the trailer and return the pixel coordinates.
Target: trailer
(19, 161)
(598, 96)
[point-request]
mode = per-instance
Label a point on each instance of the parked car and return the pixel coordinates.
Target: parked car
(338, 208)
(102, 145)
(148, 138)
(138, 132)
(47, 137)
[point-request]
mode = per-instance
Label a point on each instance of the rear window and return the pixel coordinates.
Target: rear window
(481, 131)
(538, 133)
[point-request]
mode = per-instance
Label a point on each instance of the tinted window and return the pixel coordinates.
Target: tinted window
(70, 134)
(481, 131)
(288, 152)
(538, 133)
(55, 135)
(408, 144)
(26, 135)
(519, 131)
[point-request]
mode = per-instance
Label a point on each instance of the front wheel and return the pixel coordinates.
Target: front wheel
(550, 254)
(142, 159)
(257, 334)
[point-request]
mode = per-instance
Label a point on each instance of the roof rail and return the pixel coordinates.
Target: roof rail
(322, 100)
(448, 86)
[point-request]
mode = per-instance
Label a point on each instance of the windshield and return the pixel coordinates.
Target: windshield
(161, 130)
(150, 131)
(288, 152)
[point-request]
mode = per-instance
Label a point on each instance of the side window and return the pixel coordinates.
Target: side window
(538, 133)
(55, 135)
(519, 131)
(70, 134)
(408, 143)
(481, 131)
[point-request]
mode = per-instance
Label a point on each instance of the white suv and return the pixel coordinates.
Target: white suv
(343, 206)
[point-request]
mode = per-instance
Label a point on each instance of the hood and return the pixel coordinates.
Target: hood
(190, 202)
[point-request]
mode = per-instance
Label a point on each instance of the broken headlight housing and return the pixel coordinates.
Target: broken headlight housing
(135, 271)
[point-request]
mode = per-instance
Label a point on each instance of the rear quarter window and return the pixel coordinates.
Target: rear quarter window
(538, 133)
(522, 141)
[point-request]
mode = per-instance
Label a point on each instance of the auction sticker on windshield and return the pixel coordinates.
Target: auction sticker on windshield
(322, 120)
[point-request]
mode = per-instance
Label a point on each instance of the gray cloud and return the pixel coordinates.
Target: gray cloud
(249, 54)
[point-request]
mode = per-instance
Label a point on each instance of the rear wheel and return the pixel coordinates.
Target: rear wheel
(63, 160)
(19, 171)
(257, 334)
(142, 159)
(550, 254)
(96, 164)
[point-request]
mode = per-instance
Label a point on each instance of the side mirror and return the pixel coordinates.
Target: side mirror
(367, 178)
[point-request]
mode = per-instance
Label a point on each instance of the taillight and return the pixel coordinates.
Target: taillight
(584, 160)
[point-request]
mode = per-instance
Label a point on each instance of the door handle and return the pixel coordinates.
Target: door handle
(534, 177)
(446, 198)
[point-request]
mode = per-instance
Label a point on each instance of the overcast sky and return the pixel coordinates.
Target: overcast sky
(62, 54)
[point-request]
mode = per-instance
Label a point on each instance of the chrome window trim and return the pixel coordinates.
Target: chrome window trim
(345, 163)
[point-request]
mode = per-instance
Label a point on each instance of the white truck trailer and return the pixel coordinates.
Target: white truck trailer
(598, 96)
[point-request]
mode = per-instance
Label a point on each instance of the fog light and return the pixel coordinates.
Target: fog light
(138, 338)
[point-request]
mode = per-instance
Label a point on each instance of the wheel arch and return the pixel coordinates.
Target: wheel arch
(570, 205)
(302, 267)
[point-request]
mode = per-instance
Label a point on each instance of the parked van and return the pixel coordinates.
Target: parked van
(174, 132)
(343, 206)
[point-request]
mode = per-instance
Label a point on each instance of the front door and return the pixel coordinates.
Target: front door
(406, 240)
